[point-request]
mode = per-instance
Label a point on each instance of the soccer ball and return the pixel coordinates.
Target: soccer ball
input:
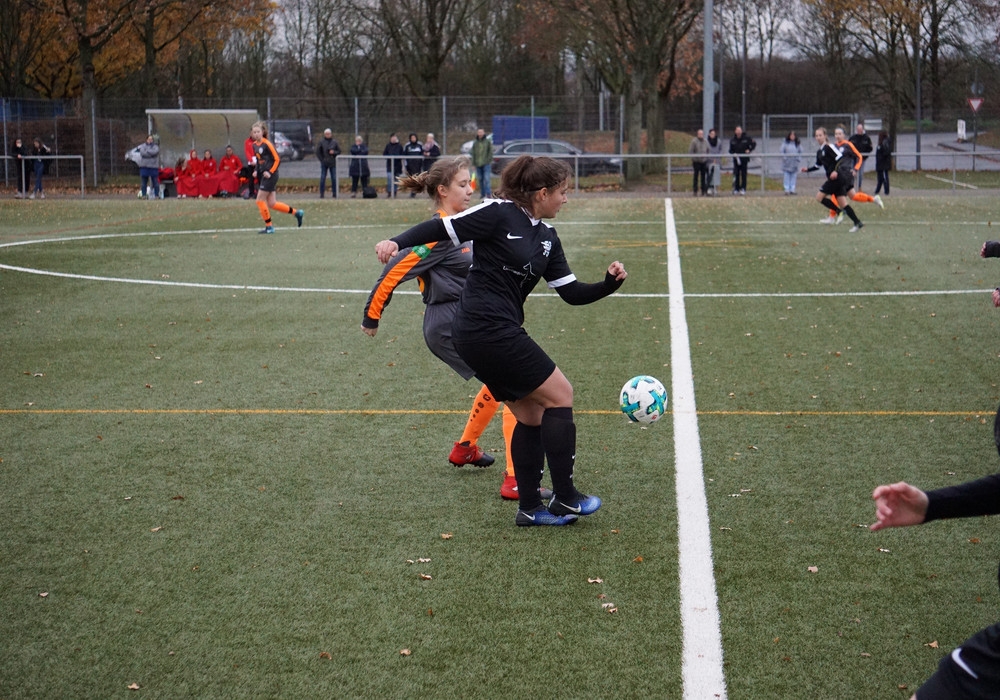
(643, 399)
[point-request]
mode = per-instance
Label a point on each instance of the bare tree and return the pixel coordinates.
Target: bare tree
(634, 43)
(423, 34)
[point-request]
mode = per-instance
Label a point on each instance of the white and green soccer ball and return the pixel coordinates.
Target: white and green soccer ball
(644, 399)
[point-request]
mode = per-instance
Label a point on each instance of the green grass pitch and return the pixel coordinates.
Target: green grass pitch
(212, 484)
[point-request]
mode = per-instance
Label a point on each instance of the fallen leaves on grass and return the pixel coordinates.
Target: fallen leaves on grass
(595, 580)
(43, 594)
(637, 560)
(134, 686)
(157, 528)
(813, 569)
(932, 645)
(425, 577)
(326, 655)
(405, 652)
(446, 535)
(865, 655)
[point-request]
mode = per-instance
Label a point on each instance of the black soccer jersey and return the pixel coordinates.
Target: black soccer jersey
(512, 253)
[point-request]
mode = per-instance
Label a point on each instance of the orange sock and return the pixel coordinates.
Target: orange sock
(862, 197)
(264, 213)
(483, 409)
(509, 421)
(283, 208)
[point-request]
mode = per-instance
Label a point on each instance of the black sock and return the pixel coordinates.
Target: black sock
(529, 459)
(850, 212)
(559, 439)
(829, 204)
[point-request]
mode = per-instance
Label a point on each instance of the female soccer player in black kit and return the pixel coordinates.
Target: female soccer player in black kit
(513, 250)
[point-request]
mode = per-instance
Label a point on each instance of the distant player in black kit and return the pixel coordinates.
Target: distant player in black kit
(972, 670)
(838, 162)
(513, 251)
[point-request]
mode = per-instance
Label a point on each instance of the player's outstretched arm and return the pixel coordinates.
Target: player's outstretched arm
(990, 249)
(899, 505)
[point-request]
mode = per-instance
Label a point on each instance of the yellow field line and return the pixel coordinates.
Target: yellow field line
(428, 411)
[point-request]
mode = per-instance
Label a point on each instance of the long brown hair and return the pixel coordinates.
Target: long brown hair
(263, 127)
(527, 174)
(441, 173)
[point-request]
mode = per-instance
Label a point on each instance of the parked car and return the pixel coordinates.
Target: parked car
(284, 146)
(589, 164)
(299, 132)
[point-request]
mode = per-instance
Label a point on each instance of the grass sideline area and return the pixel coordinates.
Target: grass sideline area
(213, 484)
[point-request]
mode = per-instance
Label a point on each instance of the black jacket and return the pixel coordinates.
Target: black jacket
(862, 142)
(323, 151)
(883, 155)
(742, 144)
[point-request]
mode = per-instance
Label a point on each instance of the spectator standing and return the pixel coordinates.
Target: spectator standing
(393, 164)
(414, 152)
(38, 151)
(883, 162)
(431, 152)
(20, 155)
(740, 146)
(482, 161)
(229, 172)
(359, 169)
(863, 142)
(791, 149)
(699, 162)
(149, 167)
(327, 151)
(715, 159)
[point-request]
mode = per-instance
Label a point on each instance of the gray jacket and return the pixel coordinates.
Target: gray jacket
(149, 155)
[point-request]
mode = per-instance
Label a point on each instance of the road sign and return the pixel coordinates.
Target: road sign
(975, 103)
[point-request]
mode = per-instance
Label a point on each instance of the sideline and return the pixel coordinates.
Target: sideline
(701, 658)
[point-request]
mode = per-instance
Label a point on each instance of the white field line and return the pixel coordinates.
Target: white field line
(952, 182)
(701, 662)
(333, 290)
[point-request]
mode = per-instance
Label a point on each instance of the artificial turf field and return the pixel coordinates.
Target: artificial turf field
(213, 484)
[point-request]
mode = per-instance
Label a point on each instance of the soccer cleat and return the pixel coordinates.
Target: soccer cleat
(541, 516)
(857, 227)
(583, 505)
(840, 217)
(879, 202)
(267, 229)
(508, 490)
(299, 213)
(463, 453)
(826, 220)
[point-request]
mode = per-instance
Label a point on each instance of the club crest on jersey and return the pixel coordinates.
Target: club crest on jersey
(421, 251)
(546, 248)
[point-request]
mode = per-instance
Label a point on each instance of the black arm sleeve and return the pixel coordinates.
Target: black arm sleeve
(979, 497)
(426, 232)
(578, 293)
